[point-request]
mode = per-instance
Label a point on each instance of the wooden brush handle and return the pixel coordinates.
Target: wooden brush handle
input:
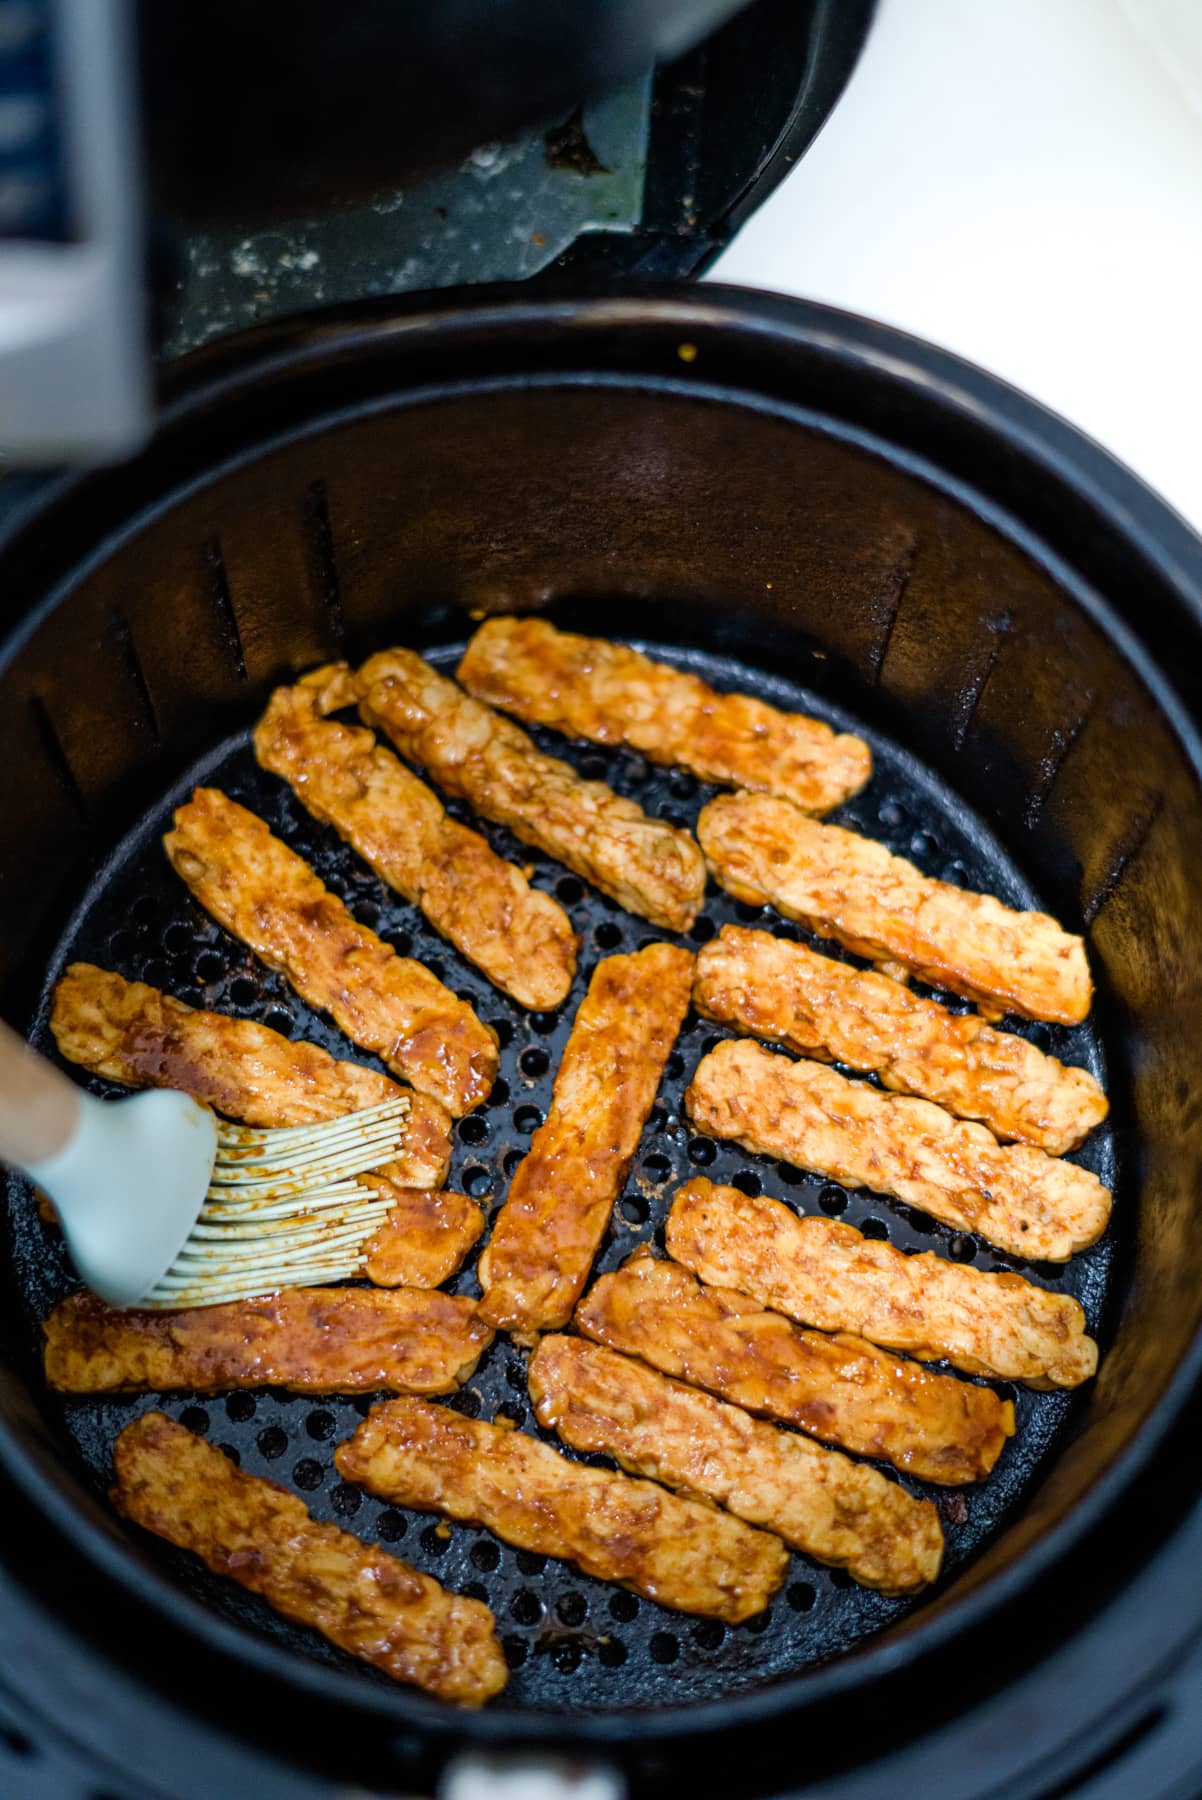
(39, 1107)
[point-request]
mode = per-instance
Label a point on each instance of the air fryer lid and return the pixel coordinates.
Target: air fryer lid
(768, 500)
(318, 108)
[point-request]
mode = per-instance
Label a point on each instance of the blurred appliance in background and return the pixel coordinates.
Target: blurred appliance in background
(169, 173)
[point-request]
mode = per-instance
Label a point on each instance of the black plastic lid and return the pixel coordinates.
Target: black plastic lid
(649, 181)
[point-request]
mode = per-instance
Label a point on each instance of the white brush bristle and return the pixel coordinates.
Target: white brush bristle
(285, 1208)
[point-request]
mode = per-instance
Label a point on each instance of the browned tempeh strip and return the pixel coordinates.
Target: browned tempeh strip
(835, 1013)
(265, 894)
(370, 1604)
(676, 1551)
(841, 1512)
(521, 938)
(134, 1034)
(1027, 1203)
(645, 864)
(852, 889)
(839, 1388)
(313, 1340)
(130, 1032)
(593, 688)
(424, 1239)
(822, 1272)
(562, 1193)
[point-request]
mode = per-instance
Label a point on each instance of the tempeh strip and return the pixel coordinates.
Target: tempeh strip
(851, 888)
(131, 1033)
(674, 1551)
(312, 1340)
(265, 894)
(424, 1239)
(365, 1601)
(593, 688)
(561, 1197)
(1029, 1204)
(645, 864)
(840, 1388)
(520, 938)
(824, 1273)
(841, 1512)
(790, 995)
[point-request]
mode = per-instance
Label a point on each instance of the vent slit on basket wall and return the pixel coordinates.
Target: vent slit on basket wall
(897, 582)
(964, 707)
(1053, 761)
(1126, 850)
(127, 650)
(319, 540)
(56, 755)
(223, 601)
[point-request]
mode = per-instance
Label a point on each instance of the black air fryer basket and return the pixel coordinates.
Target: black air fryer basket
(784, 499)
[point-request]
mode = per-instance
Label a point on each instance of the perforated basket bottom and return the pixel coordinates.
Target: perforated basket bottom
(571, 1642)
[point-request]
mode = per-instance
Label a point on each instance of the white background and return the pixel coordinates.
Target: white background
(1020, 181)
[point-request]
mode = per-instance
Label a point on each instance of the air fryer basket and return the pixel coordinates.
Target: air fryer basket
(770, 494)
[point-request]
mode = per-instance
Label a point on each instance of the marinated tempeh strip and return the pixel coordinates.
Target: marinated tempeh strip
(562, 1194)
(1029, 1204)
(313, 1340)
(824, 1273)
(424, 1238)
(852, 889)
(521, 938)
(265, 894)
(675, 1551)
(828, 1010)
(840, 1388)
(841, 1512)
(611, 694)
(645, 864)
(365, 1601)
(131, 1033)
